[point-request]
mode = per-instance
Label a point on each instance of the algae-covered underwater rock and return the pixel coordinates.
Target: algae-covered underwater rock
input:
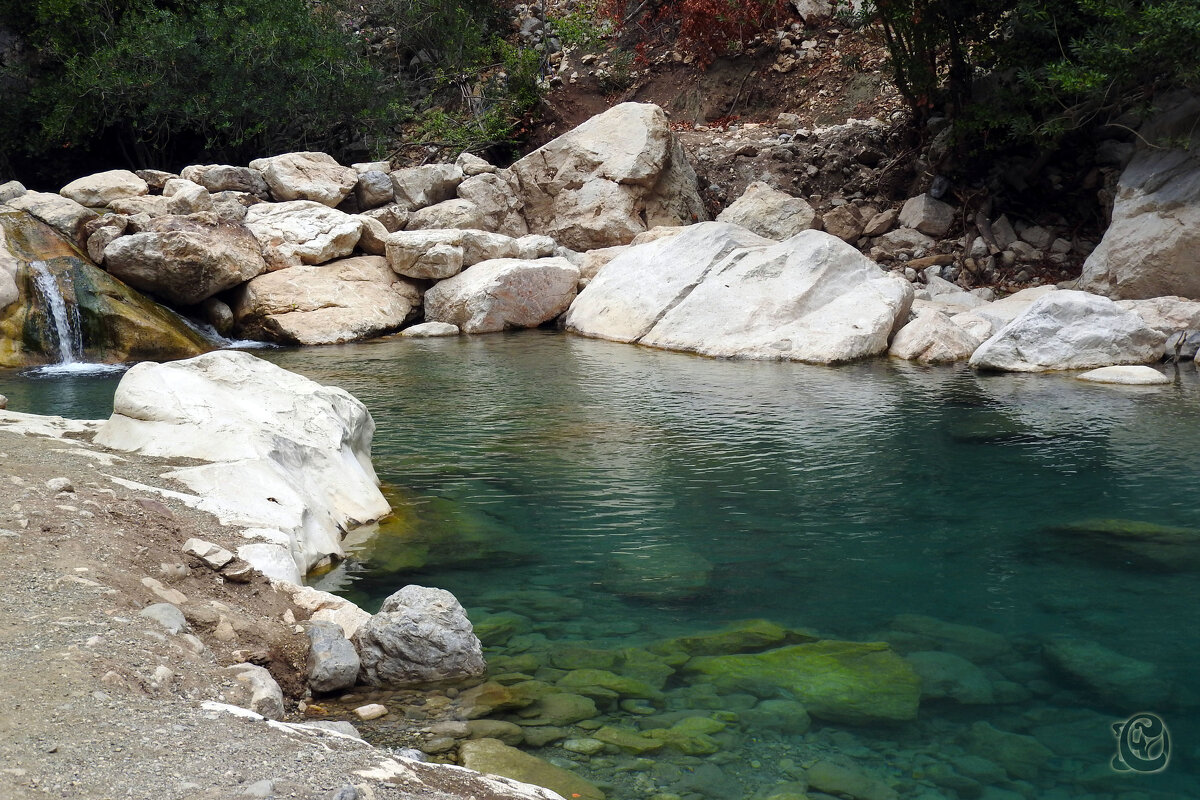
(493, 757)
(745, 636)
(1125, 682)
(1130, 543)
(437, 532)
(851, 682)
(115, 324)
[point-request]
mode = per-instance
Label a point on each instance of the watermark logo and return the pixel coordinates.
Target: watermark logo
(1143, 744)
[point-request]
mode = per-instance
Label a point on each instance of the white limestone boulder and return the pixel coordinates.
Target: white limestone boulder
(934, 338)
(426, 185)
(1167, 315)
(447, 214)
(504, 293)
(302, 232)
(97, 191)
(186, 197)
(431, 330)
(184, 260)
(343, 301)
(420, 635)
(1136, 375)
(1152, 246)
(769, 212)
(284, 455)
(497, 202)
(227, 178)
(306, 176)
(442, 253)
(719, 290)
(609, 179)
(925, 214)
(374, 189)
(1068, 329)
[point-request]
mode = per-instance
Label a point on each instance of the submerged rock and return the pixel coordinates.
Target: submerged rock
(663, 573)
(493, 757)
(1131, 543)
(420, 635)
(852, 682)
(1125, 682)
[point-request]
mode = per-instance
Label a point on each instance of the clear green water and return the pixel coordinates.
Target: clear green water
(831, 499)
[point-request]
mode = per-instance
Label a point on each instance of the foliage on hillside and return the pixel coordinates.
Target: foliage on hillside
(1036, 70)
(166, 82)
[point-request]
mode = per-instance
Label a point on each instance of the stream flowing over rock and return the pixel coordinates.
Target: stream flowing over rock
(113, 322)
(718, 290)
(289, 459)
(616, 175)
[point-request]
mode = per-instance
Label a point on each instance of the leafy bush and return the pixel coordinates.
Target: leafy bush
(1037, 70)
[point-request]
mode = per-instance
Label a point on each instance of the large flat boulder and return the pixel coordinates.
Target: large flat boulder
(97, 191)
(343, 301)
(1069, 329)
(283, 454)
(184, 260)
(1152, 246)
(226, 178)
(719, 290)
(853, 682)
(609, 179)
(444, 252)
(307, 176)
(498, 204)
(302, 232)
(420, 635)
(504, 293)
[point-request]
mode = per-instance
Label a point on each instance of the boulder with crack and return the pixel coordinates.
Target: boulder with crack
(302, 232)
(504, 293)
(609, 179)
(1067, 329)
(719, 290)
(285, 456)
(183, 259)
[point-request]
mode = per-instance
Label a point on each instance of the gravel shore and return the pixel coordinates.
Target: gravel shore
(100, 702)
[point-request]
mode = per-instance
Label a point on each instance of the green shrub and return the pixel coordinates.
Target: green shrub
(228, 78)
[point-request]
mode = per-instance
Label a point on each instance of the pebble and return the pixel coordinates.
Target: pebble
(263, 788)
(167, 615)
(60, 485)
(370, 711)
(165, 593)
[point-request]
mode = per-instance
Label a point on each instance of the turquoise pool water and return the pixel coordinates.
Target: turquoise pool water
(537, 472)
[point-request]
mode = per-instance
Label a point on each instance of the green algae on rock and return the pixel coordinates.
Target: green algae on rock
(496, 758)
(117, 324)
(851, 682)
(745, 636)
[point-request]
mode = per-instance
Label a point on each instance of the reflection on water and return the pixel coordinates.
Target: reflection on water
(537, 475)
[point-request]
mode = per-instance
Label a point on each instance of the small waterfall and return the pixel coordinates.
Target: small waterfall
(64, 317)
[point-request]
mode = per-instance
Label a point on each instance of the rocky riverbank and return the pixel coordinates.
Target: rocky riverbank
(125, 663)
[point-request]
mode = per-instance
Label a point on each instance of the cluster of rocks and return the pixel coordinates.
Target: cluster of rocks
(676, 717)
(299, 249)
